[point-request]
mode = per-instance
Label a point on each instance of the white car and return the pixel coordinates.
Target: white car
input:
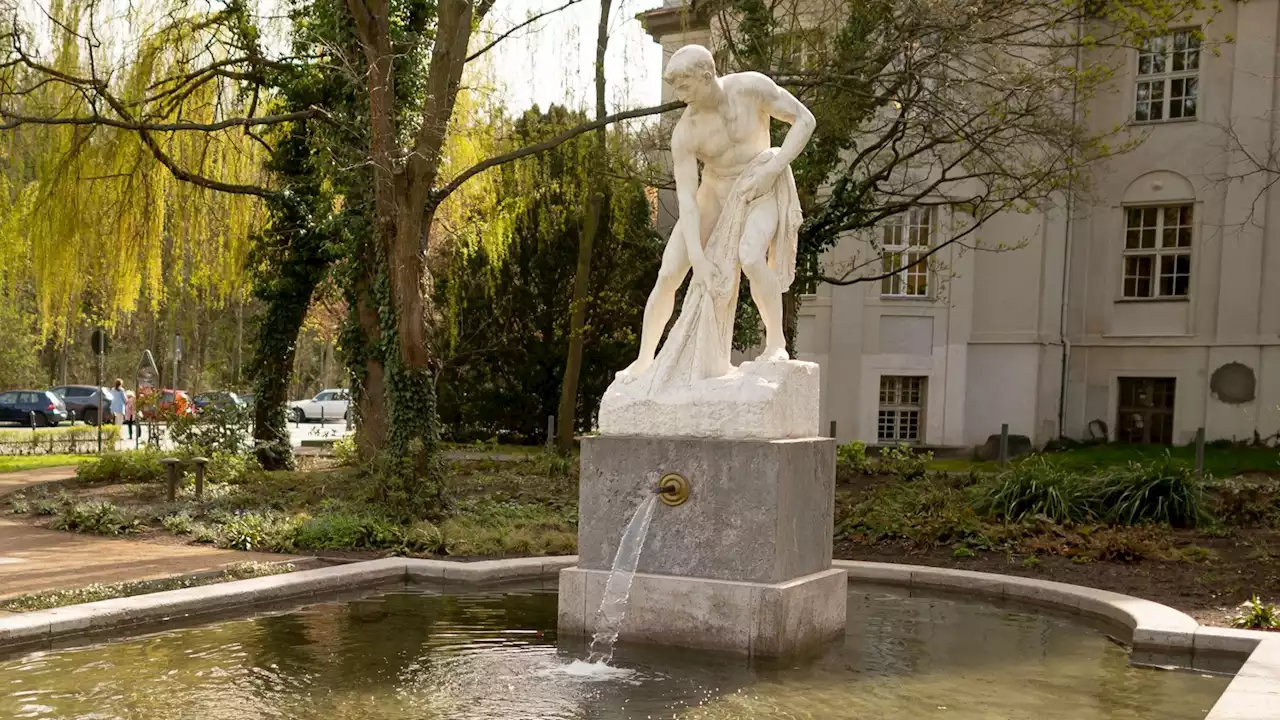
(332, 404)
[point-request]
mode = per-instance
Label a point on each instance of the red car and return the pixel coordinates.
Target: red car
(166, 401)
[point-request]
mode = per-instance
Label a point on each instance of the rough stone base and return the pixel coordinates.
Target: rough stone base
(763, 400)
(758, 619)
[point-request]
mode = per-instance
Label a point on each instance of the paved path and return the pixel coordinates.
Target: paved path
(33, 559)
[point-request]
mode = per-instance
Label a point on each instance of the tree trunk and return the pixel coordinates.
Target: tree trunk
(568, 412)
(272, 368)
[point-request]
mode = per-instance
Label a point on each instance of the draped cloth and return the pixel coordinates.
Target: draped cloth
(699, 344)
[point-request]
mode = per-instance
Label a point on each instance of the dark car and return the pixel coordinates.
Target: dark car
(82, 401)
(18, 405)
(217, 399)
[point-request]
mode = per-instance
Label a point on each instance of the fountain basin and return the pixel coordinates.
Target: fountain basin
(1254, 657)
(464, 653)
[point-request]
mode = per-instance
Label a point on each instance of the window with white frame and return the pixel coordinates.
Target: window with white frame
(905, 244)
(1168, 82)
(901, 408)
(1157, 252)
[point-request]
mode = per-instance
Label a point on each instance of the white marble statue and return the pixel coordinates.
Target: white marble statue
(741, 217)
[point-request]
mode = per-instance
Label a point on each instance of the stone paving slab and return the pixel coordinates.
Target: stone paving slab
(34, 559)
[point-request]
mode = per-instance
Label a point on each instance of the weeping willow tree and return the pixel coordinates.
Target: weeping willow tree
(93, 217)
(197, 92)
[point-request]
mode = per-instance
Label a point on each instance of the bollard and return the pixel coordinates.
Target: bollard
(833, 428)
(1004, 444)
(1200, 453)
(171, 466)
(199, 463)
(551, 431)
(33, 420)
(322, 415)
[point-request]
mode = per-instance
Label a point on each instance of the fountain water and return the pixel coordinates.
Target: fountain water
(617, 590)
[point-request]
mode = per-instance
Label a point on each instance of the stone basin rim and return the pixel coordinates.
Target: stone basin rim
(1159, 635)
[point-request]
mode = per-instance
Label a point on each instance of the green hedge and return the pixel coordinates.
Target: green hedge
(75, 440)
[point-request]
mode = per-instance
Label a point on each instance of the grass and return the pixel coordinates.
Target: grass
(19, 463)
(93, 593)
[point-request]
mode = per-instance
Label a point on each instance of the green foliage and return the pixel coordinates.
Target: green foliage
(1243, 502)
(345, 451)
(98, 518)
(96, 592)
(1162, 492)
(1036, 489)
(70, 440)
(19, 353)
(130, 467)
(507, 298)
(215, 429)
(902, 461)
(1257, 615)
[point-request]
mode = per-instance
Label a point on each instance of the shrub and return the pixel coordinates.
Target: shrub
(1165, 492)
(215, 429)
(344, 451)
(1256, 615)
(344, 529)
(99, 518)
(269, 530)
(904, 462)
(178, 523)
(225, 467)
(851, 458)
(134, 466)
(1036, 488)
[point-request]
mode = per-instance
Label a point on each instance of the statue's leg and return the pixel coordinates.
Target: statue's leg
(662, 300)
(766, 292)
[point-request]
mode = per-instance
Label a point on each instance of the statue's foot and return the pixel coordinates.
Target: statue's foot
(778, 354)
(634, 370)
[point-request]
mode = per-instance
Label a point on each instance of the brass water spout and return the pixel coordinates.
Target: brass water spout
(673, 489)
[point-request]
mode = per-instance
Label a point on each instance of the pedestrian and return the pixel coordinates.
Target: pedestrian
(118, 402)
(130, 411)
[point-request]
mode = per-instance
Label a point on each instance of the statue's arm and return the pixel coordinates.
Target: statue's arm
(686, 176)
(780, 104)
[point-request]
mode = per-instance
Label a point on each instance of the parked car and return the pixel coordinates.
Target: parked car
(18, 405)
(333, 404)
(167, 401)
(217, 399)
(82, 401)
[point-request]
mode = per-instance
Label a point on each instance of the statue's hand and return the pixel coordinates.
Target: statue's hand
(705, 273)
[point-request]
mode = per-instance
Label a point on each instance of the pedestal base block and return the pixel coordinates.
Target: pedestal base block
(761, 619)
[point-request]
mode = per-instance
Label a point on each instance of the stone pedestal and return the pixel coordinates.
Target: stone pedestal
(744, 564)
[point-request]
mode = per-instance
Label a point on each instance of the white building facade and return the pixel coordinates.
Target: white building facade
(1139, 314)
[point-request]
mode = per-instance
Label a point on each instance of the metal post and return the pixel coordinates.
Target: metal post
(32, 419)
(98, 390)
(1004, 444)
(199, 463)
(322, 414)
(171, 467)
(551, 431)
(833, 428)
(1200, 452)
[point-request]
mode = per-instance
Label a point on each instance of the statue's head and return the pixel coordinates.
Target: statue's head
(692, 72)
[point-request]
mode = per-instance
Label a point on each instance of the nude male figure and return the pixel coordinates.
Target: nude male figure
(725, 126)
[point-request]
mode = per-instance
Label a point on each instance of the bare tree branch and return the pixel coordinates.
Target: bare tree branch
(524, 24)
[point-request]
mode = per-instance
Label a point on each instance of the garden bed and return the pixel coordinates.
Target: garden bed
(1151, 530)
